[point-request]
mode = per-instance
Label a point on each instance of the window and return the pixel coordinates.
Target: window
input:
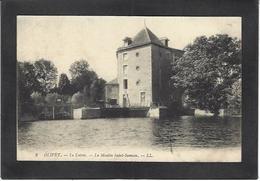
(125, 69)
(125, 84)
(125, 56)
(137, 68)
(109, 88)
(137, 54)
(138, 82)
(142, 98)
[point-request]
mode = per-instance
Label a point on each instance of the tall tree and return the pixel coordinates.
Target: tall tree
(82, 78)
(46, 74)
(27, 84)
(64, 86)
(207, 70)
(27, 81)
(79, 68)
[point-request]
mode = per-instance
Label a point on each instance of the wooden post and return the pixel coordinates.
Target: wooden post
(53, 112)
(71, 112)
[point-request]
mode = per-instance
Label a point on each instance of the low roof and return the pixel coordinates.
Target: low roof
(113, 82)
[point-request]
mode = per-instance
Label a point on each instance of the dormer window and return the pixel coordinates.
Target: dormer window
(164, 41)
(127, 41)
(137, 68)
(137, 54)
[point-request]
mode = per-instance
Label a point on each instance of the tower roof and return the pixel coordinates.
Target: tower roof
(145, 36)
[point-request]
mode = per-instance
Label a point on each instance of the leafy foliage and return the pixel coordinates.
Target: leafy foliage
(86, 81)
(37, 86)
(235, 99)
(64, 86)
(38, 99)
(97, 89)
(46, 74)
(51, 98)
(27, 81)
(82, 76)
(207, 71)
(27, 84)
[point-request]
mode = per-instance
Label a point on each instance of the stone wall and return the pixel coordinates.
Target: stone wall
(161, 73)
(149, 71)
(91, 113)
(138, 76)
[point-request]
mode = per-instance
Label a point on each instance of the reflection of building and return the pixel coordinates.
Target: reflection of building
(143, 71)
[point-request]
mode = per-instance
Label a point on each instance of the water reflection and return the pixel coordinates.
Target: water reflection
(133, 132)
(197, 132)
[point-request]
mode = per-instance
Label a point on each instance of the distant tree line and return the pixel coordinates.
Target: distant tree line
(209, 73)
(38, 85)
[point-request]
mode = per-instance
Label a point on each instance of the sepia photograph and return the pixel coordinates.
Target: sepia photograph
(129, 88)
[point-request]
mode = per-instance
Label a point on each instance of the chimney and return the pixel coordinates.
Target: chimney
(165, 41)
(127, 41)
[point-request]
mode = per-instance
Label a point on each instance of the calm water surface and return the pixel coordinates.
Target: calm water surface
(136, 132)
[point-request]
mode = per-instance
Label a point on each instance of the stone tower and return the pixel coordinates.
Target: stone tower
(143, 70)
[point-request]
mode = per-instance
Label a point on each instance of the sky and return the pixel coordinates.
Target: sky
(66, 39)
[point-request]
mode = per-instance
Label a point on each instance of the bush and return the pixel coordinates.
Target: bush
(52, 98)
(38, 98)
(77, 100)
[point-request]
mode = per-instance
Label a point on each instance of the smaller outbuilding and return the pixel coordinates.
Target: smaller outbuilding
(112, 93)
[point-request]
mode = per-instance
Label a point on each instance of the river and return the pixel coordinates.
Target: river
(180, 137)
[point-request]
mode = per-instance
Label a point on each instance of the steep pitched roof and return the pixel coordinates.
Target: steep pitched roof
(113, 82)
(145, 36)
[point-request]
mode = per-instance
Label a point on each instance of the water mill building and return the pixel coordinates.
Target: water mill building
(143, 71)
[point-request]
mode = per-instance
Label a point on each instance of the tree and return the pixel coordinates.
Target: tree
(97, 91)
(79, 68)
(235, 99)
(82, 78)
(64, 86)
(27, 82)
(51, 98)
(38, 98)
(46, 74)
(207, 70)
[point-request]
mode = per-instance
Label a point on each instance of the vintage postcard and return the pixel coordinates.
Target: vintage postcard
(128, 88)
